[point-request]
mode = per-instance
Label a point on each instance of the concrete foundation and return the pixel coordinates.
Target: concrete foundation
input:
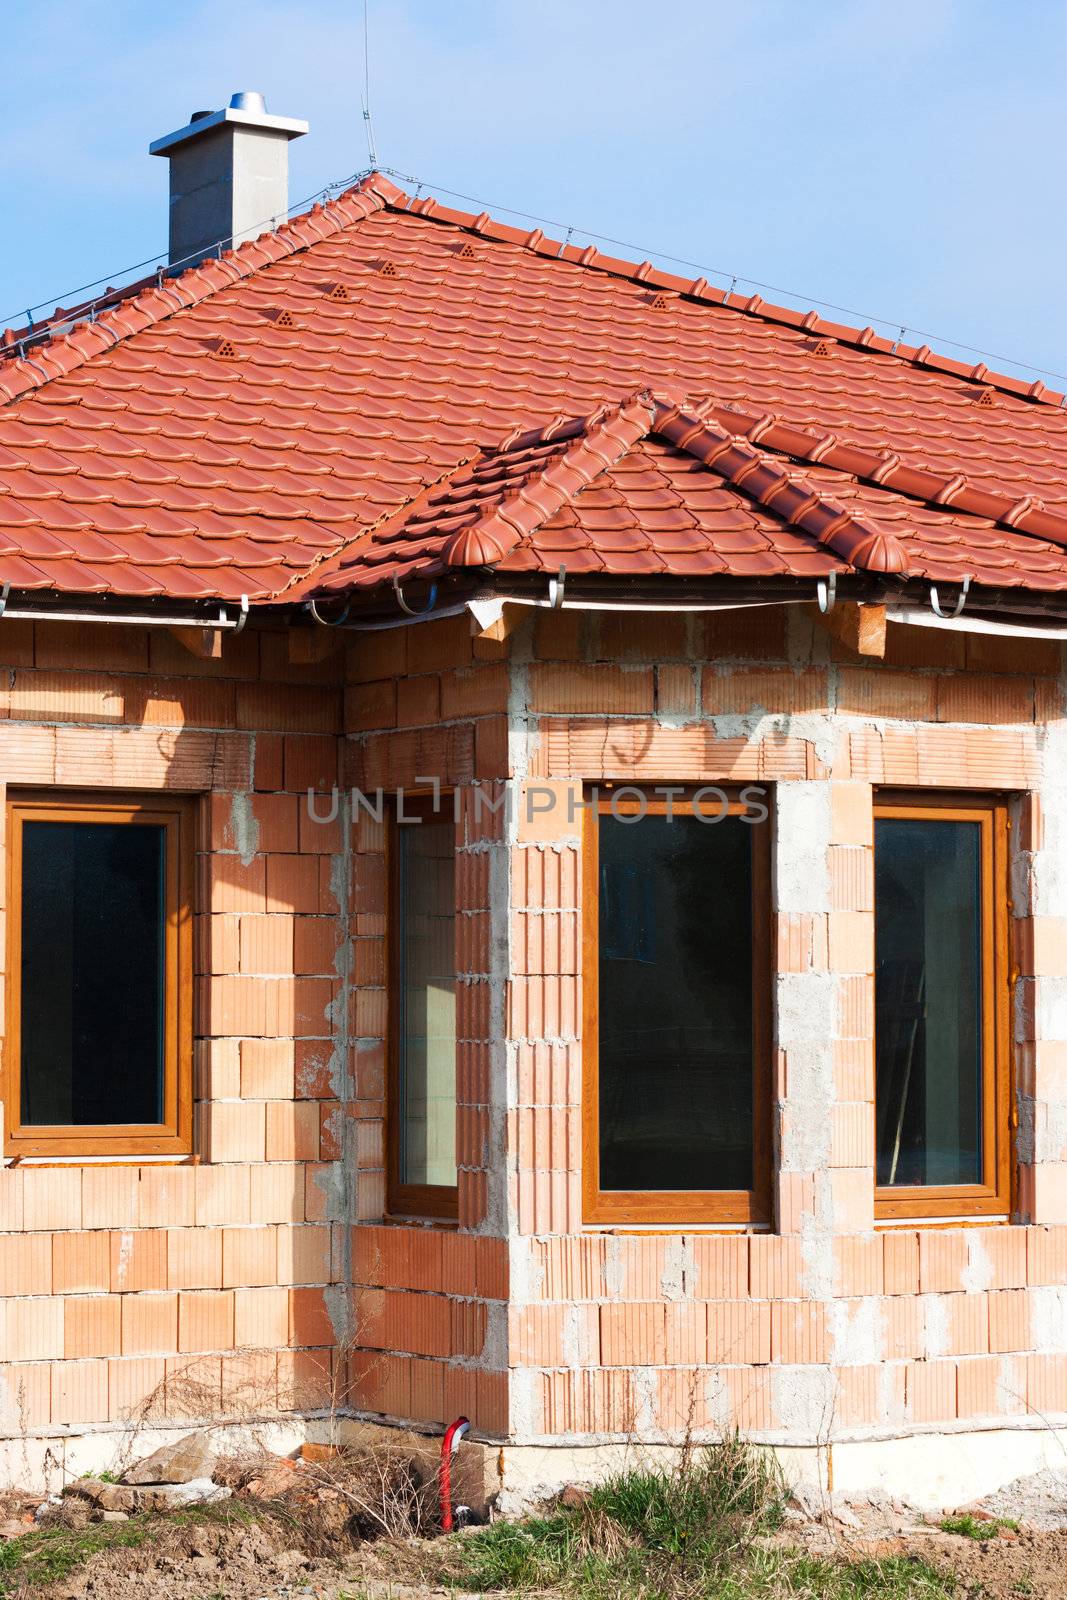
(928, 1470)
(46, 1463)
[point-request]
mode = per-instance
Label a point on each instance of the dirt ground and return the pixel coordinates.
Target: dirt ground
(247, 1564)
(241, 1564)
(1006, 1565)
(298, 1543)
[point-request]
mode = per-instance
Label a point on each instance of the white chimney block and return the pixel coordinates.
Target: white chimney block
(229, 176)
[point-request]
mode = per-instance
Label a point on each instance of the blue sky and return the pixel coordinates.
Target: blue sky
(904, 158)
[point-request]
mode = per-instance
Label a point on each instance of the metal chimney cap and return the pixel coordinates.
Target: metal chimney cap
(247, 109)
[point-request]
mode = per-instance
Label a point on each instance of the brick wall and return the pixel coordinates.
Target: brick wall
(823, 1325)
(210, 1285)
(430, 1315)
(267, 1266)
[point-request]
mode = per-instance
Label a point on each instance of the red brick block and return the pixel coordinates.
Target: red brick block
(315, 945)
(900, 1257)
(930, 1391)
(138, 1260)
(261, 1318)
(91, 1327)
(799, 1333)
(80, 1392)
(418, 701)
(1046, 1385)
(268, 765)
(194, 1258)
(135, 1387)
(266, 944)
(292, 1130)
(438, 646)
(249, 1257)
(633, 1335)
(81, 1263)
(877, 692)
(227, 885)
(965, 697)
(166, 1197)
(231, 1130)
(376, 655)
(310, 1322)
(205, 1321)
(266, 1070)
(475, 694)
(222, 1195)
(310, 762)
(306, 1380)
(149, 1324)
(371, 705)
(51, 1198)
(427, 1394)
(416, 1324)
(26, 1263)
(110, 1197)
(292, 883)
(303, 1255)
(942, 1261)
(277, 1192)
(1009, 1321)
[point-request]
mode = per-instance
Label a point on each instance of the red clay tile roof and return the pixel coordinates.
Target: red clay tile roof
(649, 488)
(293, 418)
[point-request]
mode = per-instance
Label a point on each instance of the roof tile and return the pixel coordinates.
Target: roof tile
(315, 459)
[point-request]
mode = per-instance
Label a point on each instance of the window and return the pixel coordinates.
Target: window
(98, 1053)
(676, 921)
(941, 1007)
(422, 1003)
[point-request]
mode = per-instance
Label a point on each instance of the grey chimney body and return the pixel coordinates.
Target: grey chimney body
(229, 177)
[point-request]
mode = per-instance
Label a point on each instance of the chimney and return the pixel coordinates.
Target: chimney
(229, 176)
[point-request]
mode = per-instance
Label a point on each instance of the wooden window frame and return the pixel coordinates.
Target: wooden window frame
(436, 1202)
(666, 1207)
(994, 1195)
(173, 1135)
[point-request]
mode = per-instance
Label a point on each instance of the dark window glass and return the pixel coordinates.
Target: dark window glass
(928, 1000)
(675, 1004)
(427, 996)
(93, 913)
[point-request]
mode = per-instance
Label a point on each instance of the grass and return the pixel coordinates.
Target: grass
(977, 1527)
(46, 1555)
(702, 1532)
(710, 1530)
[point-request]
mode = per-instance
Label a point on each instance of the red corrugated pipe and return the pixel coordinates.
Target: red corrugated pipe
(449, 1445)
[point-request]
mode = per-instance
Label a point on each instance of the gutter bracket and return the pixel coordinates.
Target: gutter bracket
(935, 605)
(324, 622)
(826, 591)
(402, 603)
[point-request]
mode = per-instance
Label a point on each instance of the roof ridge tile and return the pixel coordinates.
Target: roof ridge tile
(375, 192)
(605, 436)
(789, 494)
(811, 321)
(886, 469)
